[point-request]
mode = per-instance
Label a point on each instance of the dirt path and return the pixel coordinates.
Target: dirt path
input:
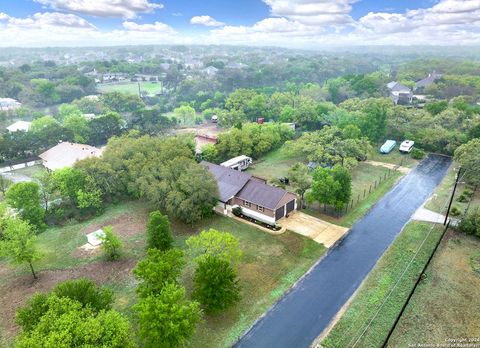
(391, 166)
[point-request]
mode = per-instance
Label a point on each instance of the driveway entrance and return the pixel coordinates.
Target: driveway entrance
(320, 231)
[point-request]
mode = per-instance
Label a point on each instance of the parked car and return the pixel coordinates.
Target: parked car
(406, 146)
(214, 119)
(388, 146)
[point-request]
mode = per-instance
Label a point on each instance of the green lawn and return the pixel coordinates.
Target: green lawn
(130, 87)
(274, 164)
(379, 283)
(444, 191)
(363, 177)
(270, 265)
(445, 305)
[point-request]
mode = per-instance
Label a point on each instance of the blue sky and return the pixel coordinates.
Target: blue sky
(259, 22)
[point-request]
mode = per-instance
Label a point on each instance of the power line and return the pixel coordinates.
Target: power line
(404, 272)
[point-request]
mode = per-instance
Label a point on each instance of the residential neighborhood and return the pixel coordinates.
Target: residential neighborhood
(239, 174)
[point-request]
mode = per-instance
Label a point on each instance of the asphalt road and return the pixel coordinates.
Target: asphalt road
(305, 311)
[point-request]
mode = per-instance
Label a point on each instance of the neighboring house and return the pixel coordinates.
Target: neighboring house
(210, 71)
(203, 139)
(427, 81)
(257, 199)
(7, 104)
(114, 77)
(66, 154)
(238, 163)
(399, 93)
(19, 126)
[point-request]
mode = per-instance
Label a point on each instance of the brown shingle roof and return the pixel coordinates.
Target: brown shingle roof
(229, 181)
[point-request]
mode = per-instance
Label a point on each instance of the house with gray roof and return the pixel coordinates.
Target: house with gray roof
(399, 93)
(257, 199)
(427, 81)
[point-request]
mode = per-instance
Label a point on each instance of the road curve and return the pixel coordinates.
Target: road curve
(307, 309)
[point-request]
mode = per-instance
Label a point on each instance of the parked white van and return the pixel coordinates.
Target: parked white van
(406, 146)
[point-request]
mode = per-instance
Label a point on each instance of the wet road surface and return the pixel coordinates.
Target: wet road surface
(305, 311)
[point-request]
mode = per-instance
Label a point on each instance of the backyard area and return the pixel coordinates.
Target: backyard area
(130, 87)
(368, 316)
(270, 265)
(445, 304)
(369, 183)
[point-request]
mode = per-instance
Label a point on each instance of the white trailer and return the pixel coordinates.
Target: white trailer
(238, 163)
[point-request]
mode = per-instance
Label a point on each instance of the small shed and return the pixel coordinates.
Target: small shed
(95, 238)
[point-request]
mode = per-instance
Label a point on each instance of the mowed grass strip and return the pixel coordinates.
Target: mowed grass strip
(445, 305)
(444, 191)
(377, 286)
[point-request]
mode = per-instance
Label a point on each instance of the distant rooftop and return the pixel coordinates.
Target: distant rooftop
(19, 126)
(66, 154)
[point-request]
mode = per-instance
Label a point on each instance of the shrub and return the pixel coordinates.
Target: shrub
(86, 292)
(417, 154)
(158, 269)
(216, 284)
(455, 211)
(470, 224)
(159, 234)
(237, 211)
(111, 244)
(462, 198)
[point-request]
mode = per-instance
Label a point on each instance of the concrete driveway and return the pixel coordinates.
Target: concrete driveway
(320, 231)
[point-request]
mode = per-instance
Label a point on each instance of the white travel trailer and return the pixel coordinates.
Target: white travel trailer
(238, 163)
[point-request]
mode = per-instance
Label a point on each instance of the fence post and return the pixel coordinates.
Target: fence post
(364, 192)
(385, 176)
(358, 199)
(375, 184)
(370, 189)
(351, 206)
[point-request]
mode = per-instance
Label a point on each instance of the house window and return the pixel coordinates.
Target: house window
(259, 208)
(247, 204)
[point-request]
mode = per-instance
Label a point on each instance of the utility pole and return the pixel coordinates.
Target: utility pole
(453, 194)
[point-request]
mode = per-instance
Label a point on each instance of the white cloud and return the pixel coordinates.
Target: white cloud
(46, 20)
(313, 12)
(293, 23)
(104, 8)
(59, 29)
(206, 20)
(155, 27)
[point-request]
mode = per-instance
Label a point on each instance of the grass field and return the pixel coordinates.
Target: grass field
(270, 265)
(274, 164)
(444, 191)
(130, 87)
(378, 288)
(446, 303)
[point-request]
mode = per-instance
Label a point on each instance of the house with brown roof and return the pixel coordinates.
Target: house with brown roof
(257, 199)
